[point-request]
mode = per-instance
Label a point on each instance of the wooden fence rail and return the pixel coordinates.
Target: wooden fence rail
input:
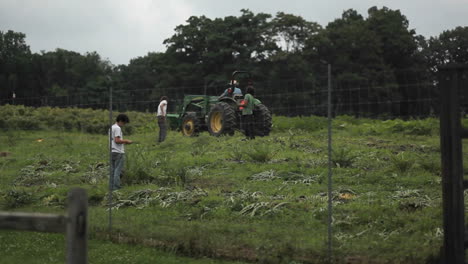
(75, 225)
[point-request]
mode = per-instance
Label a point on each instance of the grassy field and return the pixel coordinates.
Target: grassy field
(39, 248)
(224, 198)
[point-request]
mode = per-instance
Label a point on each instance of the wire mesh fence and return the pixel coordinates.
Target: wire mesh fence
(263, 200)
(414, 96)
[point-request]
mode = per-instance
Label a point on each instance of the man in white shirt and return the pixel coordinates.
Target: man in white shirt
(118, 150)
(162, 112)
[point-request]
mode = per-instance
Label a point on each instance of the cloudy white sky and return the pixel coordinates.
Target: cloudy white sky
(120, 30)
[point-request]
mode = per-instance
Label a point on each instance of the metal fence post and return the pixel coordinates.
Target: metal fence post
(111, 167)
(329, 166)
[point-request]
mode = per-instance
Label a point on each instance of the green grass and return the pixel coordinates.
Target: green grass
(33, 247)
(263, 200)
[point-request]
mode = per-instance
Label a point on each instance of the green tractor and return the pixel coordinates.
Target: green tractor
(219, 115)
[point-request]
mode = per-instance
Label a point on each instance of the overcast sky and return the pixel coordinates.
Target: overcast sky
(120, 30)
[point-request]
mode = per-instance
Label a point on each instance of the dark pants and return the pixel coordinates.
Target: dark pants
(118, 160)
(249, 126)
(162, 128)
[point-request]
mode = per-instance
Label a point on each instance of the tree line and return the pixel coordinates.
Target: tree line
(201, 54)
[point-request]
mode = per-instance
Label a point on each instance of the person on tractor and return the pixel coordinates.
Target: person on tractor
(230, 91)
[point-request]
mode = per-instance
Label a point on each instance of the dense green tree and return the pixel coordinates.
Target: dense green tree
(451, 46)
(206, 48)
(400, 51)
(293, 31)
(15, 58)
(66, 73)
(398, 42)
(354, 52)
(349, 45)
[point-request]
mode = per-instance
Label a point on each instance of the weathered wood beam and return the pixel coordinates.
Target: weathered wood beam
(33, 222)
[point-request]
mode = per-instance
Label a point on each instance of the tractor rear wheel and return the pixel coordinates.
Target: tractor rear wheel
(222, 120)
(190, 125)
(262, 120)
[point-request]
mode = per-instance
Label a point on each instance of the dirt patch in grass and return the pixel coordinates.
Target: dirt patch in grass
(4, 154)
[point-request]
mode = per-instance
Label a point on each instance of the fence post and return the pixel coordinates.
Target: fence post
(77, 227)
(330, 189)
(452, 167)
(111, 166)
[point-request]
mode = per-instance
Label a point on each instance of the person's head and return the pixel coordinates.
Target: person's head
(163, 98)
(250, 90)
(122, 119)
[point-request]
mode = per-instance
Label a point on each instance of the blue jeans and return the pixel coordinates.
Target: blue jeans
(118, 160)
(162, 128)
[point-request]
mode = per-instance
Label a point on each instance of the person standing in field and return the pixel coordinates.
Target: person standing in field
(162, 112)
(118, 150)
(247, 112)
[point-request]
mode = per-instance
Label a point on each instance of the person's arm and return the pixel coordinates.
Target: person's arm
(118, 140)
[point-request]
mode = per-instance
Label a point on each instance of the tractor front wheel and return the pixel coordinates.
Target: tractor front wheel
(190, 125)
